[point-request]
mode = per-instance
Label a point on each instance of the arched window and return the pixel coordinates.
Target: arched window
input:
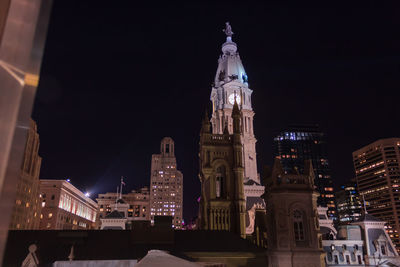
(298, 225)
(220, 182)
(167, 148)
(383, 250)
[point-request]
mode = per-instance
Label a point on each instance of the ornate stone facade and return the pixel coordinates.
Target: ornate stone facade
(222, 203)
(292, 218)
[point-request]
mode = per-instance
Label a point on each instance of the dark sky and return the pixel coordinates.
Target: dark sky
(118, 77)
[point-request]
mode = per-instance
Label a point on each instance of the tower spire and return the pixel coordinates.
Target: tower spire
(229, 47)
(206, 125)
(236, 117)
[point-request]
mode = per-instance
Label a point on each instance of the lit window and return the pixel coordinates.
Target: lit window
(27, 204)
(50, 215)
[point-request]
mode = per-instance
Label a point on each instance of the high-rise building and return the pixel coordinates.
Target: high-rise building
(230, 83)
(65, 207)
(348, 203)
(378, 178)
(166, 184)
(138, 204)
(26, 211)
(298, 143)
(222, 202)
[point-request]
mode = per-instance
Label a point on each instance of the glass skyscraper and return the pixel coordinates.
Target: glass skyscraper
(348, 202)
(298, 143)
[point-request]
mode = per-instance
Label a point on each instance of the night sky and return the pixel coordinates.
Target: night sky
(118, 77)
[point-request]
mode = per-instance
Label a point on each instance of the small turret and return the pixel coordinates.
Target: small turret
(236, 116)
(206, 125)
(226, 131)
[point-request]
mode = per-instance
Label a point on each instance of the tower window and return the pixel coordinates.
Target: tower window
(298, 225)
(167, 148)
(219, 182)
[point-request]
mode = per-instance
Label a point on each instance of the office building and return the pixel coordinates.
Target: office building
(378, 179)
(166, 184)
(26, 211)
(348, 202)
(65, 207)
(298, 143)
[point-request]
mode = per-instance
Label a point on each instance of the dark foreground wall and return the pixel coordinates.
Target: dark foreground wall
(130, 244)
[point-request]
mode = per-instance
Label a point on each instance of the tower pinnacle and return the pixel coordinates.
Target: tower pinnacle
(228, 29)
(228, 47)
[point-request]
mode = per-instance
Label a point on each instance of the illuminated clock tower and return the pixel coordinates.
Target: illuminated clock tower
(230, 83)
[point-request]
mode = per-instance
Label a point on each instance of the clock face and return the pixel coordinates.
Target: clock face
(232, 99)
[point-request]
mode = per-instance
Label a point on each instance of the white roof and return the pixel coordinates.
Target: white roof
(158, 258)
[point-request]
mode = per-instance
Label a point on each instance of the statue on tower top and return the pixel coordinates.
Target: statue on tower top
(228, 29)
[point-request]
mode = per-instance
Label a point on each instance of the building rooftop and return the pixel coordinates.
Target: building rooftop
(115, 215)
(368, 218)
(55, 245)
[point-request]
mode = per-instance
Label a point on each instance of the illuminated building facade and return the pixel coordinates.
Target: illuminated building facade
(298, 143)
(26, 211)
(378, 179)
(65, 207)
(230, 83)
(349, 205)
(138, 204)
(166, 184)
